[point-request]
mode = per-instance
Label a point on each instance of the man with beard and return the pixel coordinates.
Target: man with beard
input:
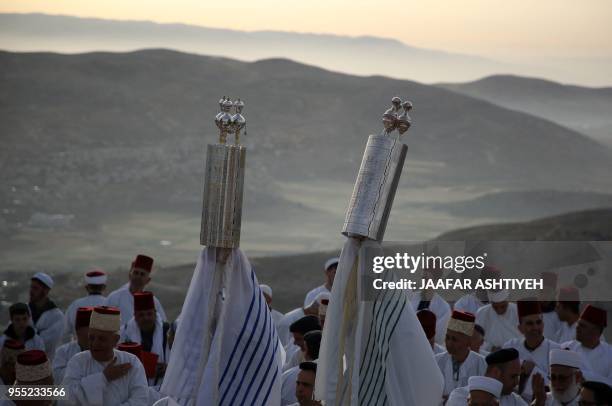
(68, 350)
(503, 365)
(48, 319)
(139, 277)
(596, 354)
(20, 329)
(149, 330)
(565, 378)
(534, 349)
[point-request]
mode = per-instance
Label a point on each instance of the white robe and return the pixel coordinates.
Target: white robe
(468, 303)
(459, 397)
(63, 354)
(283, 326)
(124, 300)
(565, 332)
(289, 380)
(551, 325)
(50, 327)
(474, 365)
(597, 362)
(438, 349)
(87, 385)
(34, 343)
(86, 301)
(540, 357)
(294, 359)
(498, 328)
(440, 308)
(312, 295)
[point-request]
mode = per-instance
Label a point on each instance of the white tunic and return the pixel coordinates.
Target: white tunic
(474, 365)
(597, 361)
(86, 301)
(468, 303)
(63, 354)
(289, 380)
(283, 326)
(565, 332)
(124, 300)
(540, 357)
(438, 349)
(498, 328)
(459, 397)
(50, 327)
(440, 308)
(551, 325)
(87, 384)
(312, 295)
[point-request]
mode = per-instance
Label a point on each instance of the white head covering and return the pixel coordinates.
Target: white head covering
(44, 279)
(485, 384)
(566, 358)
(330, 262)
(266, 289)
(319, 299)
(106, 319)
(499, 296)
(95, 277)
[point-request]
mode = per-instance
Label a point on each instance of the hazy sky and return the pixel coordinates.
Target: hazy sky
(497, 28)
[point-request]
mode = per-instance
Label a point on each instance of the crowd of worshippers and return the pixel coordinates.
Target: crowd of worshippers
(112, 350)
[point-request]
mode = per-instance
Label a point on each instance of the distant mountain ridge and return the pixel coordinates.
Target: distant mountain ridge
(584, 109)
(355, 55)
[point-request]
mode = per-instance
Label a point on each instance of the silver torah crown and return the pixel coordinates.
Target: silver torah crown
(394, 119)
(229, 123)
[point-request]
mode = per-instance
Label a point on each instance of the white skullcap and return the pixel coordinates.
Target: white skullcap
(485, 384)
(44, 279)
(330, 262)
(266, 289)
(566, 358)
(95, 277)
(496, 297)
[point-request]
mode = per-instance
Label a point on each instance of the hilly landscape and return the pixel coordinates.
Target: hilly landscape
(103, 155)
(583, 109)
(364, 55)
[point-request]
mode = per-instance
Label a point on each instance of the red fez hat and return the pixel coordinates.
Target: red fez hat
(528, 307)
(13, 344)
(568, 294)
(595, 315)
(427, 319)
(549, 279)
(83, 315)
(32, 357)
(132, 348)
(463, 316)
(143, 301)
(143, 262)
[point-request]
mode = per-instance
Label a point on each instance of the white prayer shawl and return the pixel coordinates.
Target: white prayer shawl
(226, 350)
(289, 380)
(540, 357)
(438, 349)
(498, 328)
(440, 308)
(312, 295)
(468, 303)
(459, 397)
(34, 343)
(87, 385)
(86, 301)
(566, 332)
(474, 365)
(552, 324)
(283, 326)
(388, 358)
(124, 300)
(597, 362)
(551, 401)
(63, 354)
(50, 327)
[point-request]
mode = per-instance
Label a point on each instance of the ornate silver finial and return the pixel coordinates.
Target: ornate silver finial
(403, 120)
(238, 121)
(390, 116)
(224, 119)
